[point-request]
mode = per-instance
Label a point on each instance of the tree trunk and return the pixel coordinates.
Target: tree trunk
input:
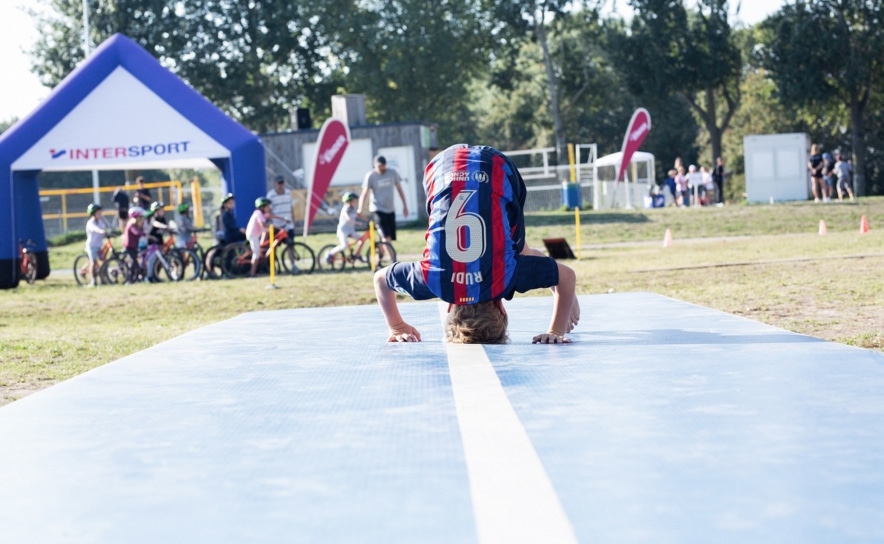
(859, 150)
(712, 126)
(553, 85)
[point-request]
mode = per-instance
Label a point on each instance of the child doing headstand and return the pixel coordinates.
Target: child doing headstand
(475, 254)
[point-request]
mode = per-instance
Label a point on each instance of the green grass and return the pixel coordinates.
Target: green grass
(764, 262)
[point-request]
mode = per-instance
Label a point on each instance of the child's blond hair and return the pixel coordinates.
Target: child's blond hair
(482, 323)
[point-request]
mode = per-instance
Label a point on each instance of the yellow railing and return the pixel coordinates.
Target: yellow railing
(170, 189)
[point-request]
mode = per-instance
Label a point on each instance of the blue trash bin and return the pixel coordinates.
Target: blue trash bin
(571, 197)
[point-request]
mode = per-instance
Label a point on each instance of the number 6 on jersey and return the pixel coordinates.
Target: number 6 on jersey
(464, 231)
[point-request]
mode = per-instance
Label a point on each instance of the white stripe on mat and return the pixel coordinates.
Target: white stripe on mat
(513, 498)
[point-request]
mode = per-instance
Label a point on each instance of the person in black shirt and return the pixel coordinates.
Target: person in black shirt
(121, 201)
(718, 180)
(815, 165)
(142, 197)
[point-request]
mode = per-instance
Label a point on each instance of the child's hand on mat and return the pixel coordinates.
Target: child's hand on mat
(550, 338)
(403, 332)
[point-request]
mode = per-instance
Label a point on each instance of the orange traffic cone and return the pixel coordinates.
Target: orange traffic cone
(667, 238)
(823, 230)
(863, 225)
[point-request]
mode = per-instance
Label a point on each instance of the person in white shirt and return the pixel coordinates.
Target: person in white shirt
(95, 232)
(695, 182)
(280, 198)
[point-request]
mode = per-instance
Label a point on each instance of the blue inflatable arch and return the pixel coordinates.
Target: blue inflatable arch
(118, 110)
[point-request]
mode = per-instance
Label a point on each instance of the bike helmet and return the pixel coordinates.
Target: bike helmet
(226, 198)
(136, 212)
(348, 197)
(260, 202)
(154, 206)
(183, 207)
(92, 208)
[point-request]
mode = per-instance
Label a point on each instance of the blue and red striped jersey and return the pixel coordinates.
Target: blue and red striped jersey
(476, 228)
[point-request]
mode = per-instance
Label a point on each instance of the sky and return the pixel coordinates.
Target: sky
(21, 91)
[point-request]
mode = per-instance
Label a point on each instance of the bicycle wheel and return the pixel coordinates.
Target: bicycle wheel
(384, 253)
(212, 263)
(298, 258)
(173, 269)
(193, 266)
(201, 255)
(114, 271)
(132, 267)
(30, 265)
(236, 260)
(338, 261)
(82, 271)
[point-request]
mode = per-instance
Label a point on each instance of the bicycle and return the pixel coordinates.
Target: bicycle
(28, 269)
(112, 267)
(191, 260)
(196, 250)
(291, 257)
(169, 264)
(357, 254)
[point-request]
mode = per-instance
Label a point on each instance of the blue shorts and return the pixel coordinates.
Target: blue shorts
(94, 253)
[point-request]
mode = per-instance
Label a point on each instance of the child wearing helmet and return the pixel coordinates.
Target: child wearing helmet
(229, 231)
(475, 254)
(183, 225)
(96, 230)
(256, 229)
(132, 236)
(346, 224)
(157, 226)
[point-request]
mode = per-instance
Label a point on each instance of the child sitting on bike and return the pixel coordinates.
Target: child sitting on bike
(256, 229)
(95, 233)
(183, 225)
(228, 231)
(346, 225)
(157, 226)
(476, 255)
(132, 237)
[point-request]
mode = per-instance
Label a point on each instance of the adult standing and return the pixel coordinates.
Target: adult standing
(695, 183)
(142, 197)
(718, 180)
(828, 176)
(381, 182)
(815, 165)
(121, 201)
(844, 171)
(280, 198)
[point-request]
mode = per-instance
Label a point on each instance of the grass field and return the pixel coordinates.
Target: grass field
(766, 263)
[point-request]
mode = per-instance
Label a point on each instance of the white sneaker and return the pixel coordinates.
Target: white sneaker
(816, 200)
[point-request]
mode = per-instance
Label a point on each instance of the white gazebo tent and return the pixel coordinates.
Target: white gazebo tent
(637, 179)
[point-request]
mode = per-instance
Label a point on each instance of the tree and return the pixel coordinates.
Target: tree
(518, 20)
(414, 60)
(255, 59)
(5, 124)
(828, 52)
(692, 55)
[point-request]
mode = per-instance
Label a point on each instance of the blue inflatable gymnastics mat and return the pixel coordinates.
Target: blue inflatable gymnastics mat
(664, 422)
